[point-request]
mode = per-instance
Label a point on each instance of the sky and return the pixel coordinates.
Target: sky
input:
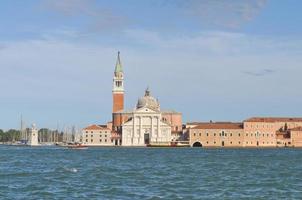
(220, 60)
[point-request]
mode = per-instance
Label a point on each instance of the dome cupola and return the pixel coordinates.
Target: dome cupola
(148, 101)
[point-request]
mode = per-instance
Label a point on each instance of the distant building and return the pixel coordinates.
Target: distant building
(263, 131)
(146, 123)
(253, 132)
(296, 136)
(33, 136)
(217, 134)
(97, 135)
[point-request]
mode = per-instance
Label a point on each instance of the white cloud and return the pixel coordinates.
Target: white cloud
(97, 18)
(221, 13)
(199, 75)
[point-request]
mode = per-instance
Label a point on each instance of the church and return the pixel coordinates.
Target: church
(145, 125)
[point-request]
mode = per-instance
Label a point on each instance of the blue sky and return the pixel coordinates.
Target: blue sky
(223, 60)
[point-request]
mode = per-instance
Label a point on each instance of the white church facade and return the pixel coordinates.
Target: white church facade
(145, 125)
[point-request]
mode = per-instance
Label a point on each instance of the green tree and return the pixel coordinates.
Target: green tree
(1, 135)
(12, 135)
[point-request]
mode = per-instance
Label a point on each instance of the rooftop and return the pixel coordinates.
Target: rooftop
(96, 127)
(273, 119)
(218, 125)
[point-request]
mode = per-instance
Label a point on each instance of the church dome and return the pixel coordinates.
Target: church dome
(148, 101)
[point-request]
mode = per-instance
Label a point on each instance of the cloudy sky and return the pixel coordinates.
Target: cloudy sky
(221, 60)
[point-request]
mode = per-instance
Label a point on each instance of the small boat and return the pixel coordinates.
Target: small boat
(77, 146)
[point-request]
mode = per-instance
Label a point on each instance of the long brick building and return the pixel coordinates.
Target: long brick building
(253, 132)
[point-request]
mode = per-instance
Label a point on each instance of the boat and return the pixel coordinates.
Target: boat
(169, 144)
(77, 146)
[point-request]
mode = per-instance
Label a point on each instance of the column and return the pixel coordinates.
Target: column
(152, 134)
(134, 130)
(141, 134)
(158, 129)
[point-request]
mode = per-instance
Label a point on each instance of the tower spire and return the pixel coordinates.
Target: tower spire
(118, 66)
(118, 86)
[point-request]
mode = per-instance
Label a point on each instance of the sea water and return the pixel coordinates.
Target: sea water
(149, 173)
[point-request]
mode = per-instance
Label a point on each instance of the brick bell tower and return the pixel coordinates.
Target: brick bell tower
(118, 86)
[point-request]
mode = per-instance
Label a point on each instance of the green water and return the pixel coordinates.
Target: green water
(147, 173)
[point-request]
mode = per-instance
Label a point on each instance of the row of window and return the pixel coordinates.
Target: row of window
(100, 140)
(220, 134)
(246, 142)
(258, 126)
(225, 134)
(262, 142)
(95, 132)
(259, 135)
(100, 135)
(230, 142)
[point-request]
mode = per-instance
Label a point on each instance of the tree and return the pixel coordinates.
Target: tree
(13, 135)
(1, 135)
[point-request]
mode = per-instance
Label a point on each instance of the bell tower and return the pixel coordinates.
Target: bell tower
(118, 86)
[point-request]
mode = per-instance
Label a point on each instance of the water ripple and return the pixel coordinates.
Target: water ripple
(140, 173)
